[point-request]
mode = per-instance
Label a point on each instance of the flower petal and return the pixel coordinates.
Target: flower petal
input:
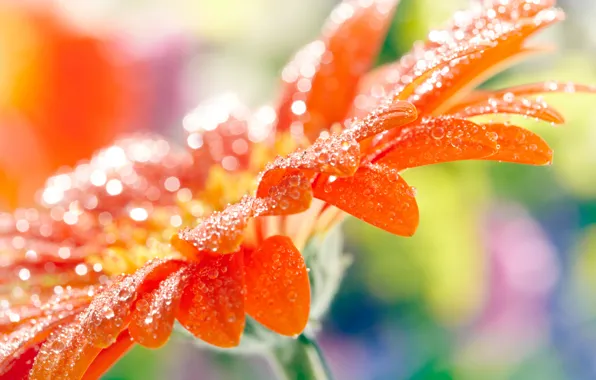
(289, 194)
(221, 231)
(478, 97)
(337, 155)
(467, 73)
(519, 145)
(384, 80)
(65, 355)
(277, 286)
(109, 312)
(385, 117)
(107, 357)
(322, 78)
(512, 105)
(437, 140)
(29, 335)
(62, 304)
(21, 365)
(73, 347)
(154, 313)
(376, 194)
(212, 305)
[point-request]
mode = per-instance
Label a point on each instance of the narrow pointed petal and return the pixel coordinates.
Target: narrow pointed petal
(466, 74)
(107, 357)
(519, 145)
(386, 79)
(322, 78)
(517, 92)
(277, 286)
(153, 317)
(504, 37)
(546, 87)
(435, 141)
(513, 105)
(376, 194)
(212, 305)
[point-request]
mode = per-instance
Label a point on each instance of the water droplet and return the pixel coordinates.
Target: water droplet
(492, 136)
(108, 313)
(438, 133)
(213, 273)
(125, 293)
(292, 296)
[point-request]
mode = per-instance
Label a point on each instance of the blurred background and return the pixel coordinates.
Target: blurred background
(499, 281)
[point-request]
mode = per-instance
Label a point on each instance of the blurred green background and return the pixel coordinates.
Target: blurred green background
(499, 281)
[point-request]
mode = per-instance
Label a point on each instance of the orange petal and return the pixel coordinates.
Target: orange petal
(512, 105)
(107, 357)
(30, 335)
(337, 155)
(69, 351)
(109, 312)
(212, 305)
(21, 365)
(154, 314)
(63, 304)
(383, 81)
(322, 78)
(385, 117)
(65, 355)
(277, 286)
(221, 231)
(546, 87)
(290, 194)
(519, 145)
(436, 93)
(435, 141)
(467, 73)
(376, 194)
(483, 97)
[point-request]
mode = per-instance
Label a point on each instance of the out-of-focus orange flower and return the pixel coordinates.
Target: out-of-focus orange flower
(62, 96)
(95, 268)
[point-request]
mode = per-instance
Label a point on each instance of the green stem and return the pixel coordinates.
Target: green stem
(300, 359)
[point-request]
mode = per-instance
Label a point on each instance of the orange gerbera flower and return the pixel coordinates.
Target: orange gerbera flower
(96, 268)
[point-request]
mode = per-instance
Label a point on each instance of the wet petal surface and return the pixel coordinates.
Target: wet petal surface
(322, 78)
(277, 286)
(212, 305)
(377, 194)
(519, 145)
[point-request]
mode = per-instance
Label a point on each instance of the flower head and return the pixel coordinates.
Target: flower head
(105, 263)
